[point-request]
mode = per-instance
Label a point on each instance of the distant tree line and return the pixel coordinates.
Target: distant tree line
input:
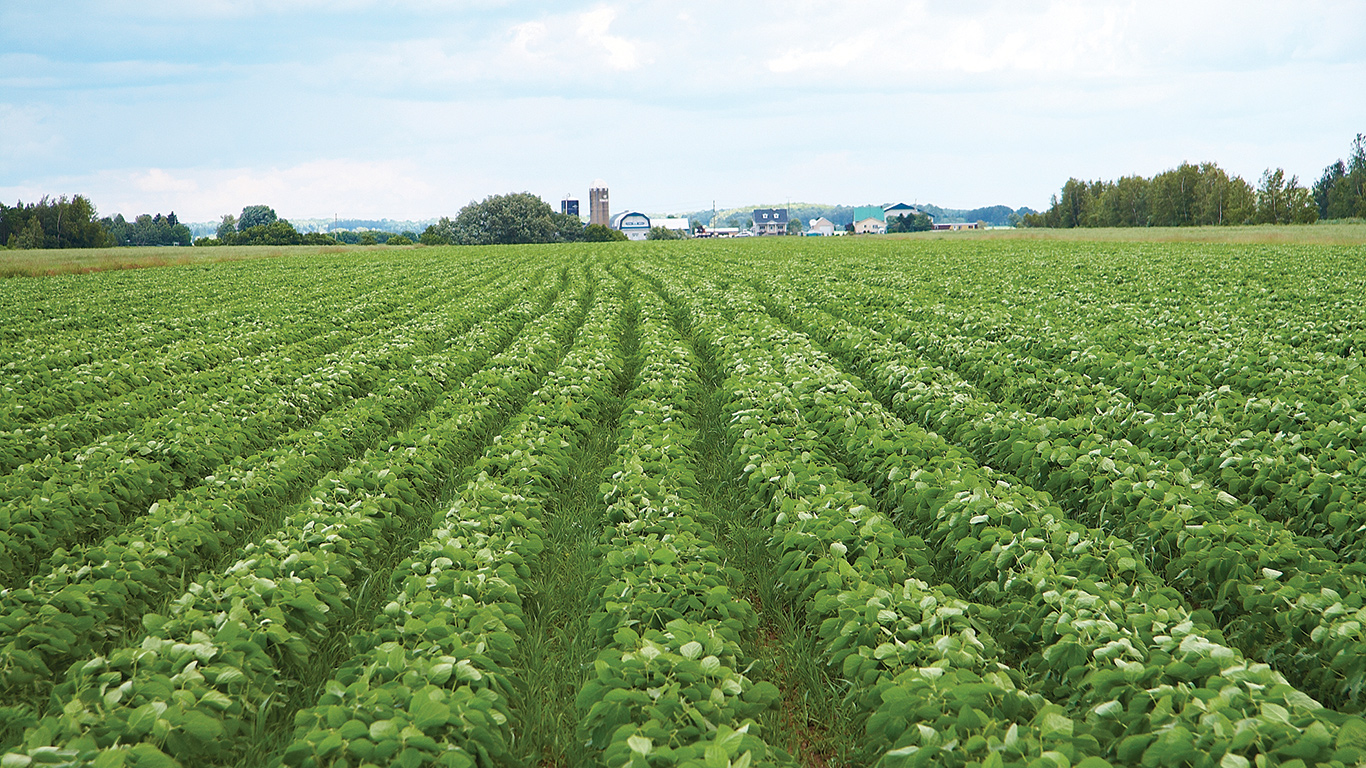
(374, 237)
(147, 230)
(1206, 195)
(259, 225)
(843, 215)
(1340, 193)
(1190, 195)
(60, 223)
(991, 215)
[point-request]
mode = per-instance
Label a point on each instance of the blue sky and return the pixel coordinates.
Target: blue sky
(412, 108)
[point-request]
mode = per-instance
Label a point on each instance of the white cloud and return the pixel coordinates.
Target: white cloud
(594, 29)
(1065, 38)
(527, 36)
(910, 41)
(157, 181)
(323, 111)
(26, 134)
(312, 189)
(548, 53)
(248, 8)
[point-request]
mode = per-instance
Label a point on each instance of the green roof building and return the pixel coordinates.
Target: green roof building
(870, 220)
(869, 212)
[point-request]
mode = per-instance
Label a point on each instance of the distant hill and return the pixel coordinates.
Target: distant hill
(382, 225)
(993, 216)
(210, 228)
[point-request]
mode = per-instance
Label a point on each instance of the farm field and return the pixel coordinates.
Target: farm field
(35, 263)
(788, 502)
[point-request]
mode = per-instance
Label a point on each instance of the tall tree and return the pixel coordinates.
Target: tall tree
(440, 233)
(1324, 187)
(1075, 207)
(1124, 203)
(277, 232)
(1353, 196)
(520, 217)
(1284, 201)
(917, 222)
(1174, 196)
(256, 216)
(32, 236)
(1221, 199)
(147, 230)
(227, 228)
(568, 227)
(1271, 201)
(601, 233)
(65, 223)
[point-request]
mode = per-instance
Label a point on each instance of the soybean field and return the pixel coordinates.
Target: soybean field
(777, 502)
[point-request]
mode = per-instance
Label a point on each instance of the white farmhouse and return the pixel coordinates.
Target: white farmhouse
(821, 227)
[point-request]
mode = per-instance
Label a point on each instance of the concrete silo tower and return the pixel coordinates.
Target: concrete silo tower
(599, 212)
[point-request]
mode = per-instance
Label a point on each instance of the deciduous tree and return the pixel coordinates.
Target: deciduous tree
(1323, 188)
(440, 233)
(1284, 201)
(1125, 203)
(520, 217)
(64, 222)
(601, 233)
(663, 233)
(256, 216)
(227, 227)
(568, 228)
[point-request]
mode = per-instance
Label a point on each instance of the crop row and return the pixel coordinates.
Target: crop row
(87, 373)
(993, 337)
(36, 392)
(1140, 680)
(1279, 597)
(72, 321)
(1164, 325)
(431, 682)
(60, 614)
(110, 405)
(87, 494)
(220, 657)
(67, 306)
(668, 684)
(1048, 509)
(921, 670)
(1293, 461)
(1274, 599)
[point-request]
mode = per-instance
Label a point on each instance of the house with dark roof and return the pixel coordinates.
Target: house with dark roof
(892, 210)
(770, 221)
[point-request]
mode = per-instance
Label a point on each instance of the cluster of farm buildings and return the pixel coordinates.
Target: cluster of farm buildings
(868, 220)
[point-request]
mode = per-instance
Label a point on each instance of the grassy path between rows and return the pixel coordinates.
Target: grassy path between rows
(557, 651)
(376, 589)
(810, 723)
